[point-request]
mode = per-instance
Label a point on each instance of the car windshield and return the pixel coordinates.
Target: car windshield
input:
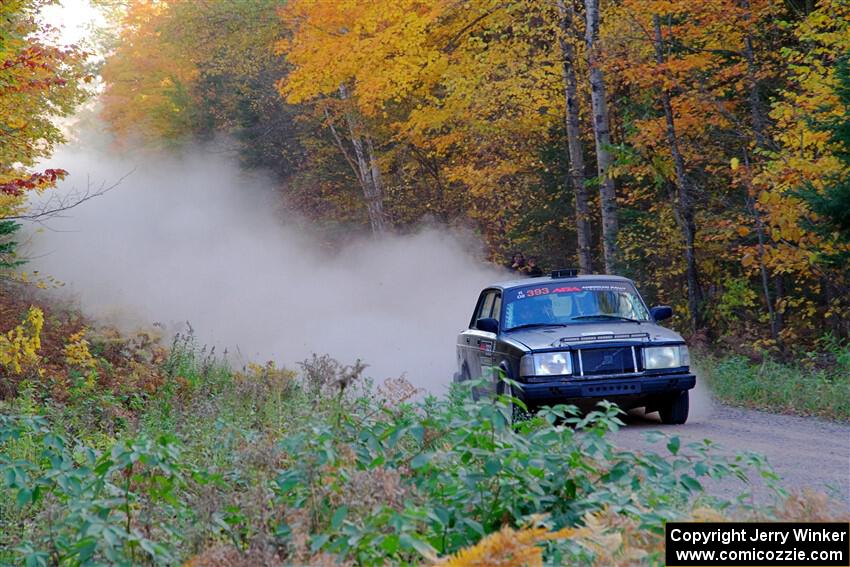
(559, 304)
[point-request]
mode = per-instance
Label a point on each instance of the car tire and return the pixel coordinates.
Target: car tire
(675, 410)
(517, 413)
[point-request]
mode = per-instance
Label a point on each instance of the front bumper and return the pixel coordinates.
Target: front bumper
(559, 391)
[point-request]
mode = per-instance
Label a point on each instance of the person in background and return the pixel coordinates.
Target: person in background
(531, 268)
(517, 263)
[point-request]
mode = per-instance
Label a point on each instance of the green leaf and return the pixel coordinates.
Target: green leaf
(288, 480)
(421, 460)
(24, 497)
(418, 432)
(692, 484)
(339, 517)
(109, 537)
(411, 542)
(318, 541)
(443, 515)
(476, 526)
(85, 549)
(37, 559)
(390, 544)
(674, 444)
(492, 466)
(10, 476)
(617, 472)
(653, 436)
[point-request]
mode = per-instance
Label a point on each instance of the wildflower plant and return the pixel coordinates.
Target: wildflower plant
(77, 353)
(19, 347)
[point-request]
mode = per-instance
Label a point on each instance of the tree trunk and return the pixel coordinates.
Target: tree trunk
(685, 201)
(375, 199)
(583, 230)
(765, 278)
(779, 289)
(365, 167)
(602, 134)
(759, 136)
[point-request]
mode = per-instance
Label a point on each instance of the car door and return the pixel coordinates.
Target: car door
(478, 346)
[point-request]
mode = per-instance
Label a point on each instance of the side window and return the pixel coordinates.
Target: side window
(486, 306)
(489, 305)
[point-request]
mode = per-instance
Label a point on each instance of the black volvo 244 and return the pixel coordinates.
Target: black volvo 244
(577, 339)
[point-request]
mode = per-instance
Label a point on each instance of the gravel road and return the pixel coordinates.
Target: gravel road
(807, 453)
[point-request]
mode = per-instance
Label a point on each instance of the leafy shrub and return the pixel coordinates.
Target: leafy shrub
(77, 353)
(431, 478)
(19, 347)
(92, 507)
(224, 467)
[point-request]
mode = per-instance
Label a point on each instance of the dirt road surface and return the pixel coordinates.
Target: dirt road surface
(807, 453)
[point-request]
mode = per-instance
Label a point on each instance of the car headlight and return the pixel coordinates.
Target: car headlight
(655, 358)
(546, 364)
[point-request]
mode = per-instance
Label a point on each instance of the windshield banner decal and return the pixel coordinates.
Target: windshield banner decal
(546, 290)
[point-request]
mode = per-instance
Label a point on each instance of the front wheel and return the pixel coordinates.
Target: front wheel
(675, 411)
(517, 413)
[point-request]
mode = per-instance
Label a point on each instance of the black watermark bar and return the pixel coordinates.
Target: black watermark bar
(762, 544)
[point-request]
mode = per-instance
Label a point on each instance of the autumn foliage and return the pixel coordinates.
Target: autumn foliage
(39, 81)
(388, 114)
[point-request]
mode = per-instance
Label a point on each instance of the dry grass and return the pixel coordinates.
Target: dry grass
(616, 540)
(507, 548)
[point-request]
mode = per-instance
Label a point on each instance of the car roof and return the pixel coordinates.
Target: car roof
(547, 279)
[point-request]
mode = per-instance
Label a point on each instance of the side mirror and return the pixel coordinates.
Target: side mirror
(661, 312)
(488, 325)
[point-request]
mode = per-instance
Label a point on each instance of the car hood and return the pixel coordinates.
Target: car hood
(593, 333)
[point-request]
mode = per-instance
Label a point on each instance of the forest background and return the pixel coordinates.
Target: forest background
(701, 148)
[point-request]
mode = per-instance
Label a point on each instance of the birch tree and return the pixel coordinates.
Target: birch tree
(602, 135)
(577, 174)
(363, 163)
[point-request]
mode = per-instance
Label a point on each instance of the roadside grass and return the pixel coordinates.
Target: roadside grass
(818, 385)
(262, 465)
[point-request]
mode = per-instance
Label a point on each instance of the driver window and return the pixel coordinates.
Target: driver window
(486, 306)
(497, 307)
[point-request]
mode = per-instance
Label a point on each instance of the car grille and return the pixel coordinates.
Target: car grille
(613, 360)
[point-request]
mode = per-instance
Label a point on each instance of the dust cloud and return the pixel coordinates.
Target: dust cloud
(191, 237)
(701, 402)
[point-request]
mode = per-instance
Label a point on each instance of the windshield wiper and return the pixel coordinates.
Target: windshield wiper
(530, 325)
(606, 316)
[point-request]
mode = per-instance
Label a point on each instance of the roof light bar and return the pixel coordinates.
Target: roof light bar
(565, 273)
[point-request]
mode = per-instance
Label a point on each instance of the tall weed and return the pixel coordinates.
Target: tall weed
(817, 385)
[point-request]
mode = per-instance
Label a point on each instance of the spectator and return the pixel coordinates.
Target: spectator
(531, 268)
(517, 263)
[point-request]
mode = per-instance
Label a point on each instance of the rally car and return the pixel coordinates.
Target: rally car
(576, 339)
